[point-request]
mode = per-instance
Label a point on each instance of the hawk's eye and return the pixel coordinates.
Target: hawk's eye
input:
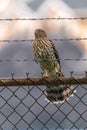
(40, 31)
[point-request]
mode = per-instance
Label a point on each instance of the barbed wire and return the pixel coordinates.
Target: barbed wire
(46, 18)
(31, 60)
(58, 39)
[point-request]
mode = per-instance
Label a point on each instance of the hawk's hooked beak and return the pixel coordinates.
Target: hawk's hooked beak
(36, 31)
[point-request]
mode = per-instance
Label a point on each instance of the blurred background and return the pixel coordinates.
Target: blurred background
(24, 29)
(13, 54)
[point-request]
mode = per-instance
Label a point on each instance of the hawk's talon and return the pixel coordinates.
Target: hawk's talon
(45, 76)
(57, 74)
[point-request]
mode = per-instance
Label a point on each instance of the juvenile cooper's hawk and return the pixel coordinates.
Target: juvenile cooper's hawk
(47, 56)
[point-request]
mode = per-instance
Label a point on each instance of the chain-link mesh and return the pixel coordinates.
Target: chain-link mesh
(25, 108)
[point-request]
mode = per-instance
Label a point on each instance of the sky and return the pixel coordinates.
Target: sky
(13, 54)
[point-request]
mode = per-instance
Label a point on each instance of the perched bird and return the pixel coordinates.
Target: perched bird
(47, 56)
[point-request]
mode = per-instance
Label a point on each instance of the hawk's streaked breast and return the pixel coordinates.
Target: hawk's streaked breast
(44, 53)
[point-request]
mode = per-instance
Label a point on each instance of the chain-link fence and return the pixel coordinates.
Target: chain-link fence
(25, 107)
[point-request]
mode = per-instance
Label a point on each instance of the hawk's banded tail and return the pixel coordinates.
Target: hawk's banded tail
(59, 93)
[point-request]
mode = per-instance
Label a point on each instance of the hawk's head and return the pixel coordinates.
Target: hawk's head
(39, 33)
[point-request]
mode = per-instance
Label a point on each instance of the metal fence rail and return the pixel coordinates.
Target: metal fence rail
(42, 81)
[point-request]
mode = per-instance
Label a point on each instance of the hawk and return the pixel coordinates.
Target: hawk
(47, 56)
